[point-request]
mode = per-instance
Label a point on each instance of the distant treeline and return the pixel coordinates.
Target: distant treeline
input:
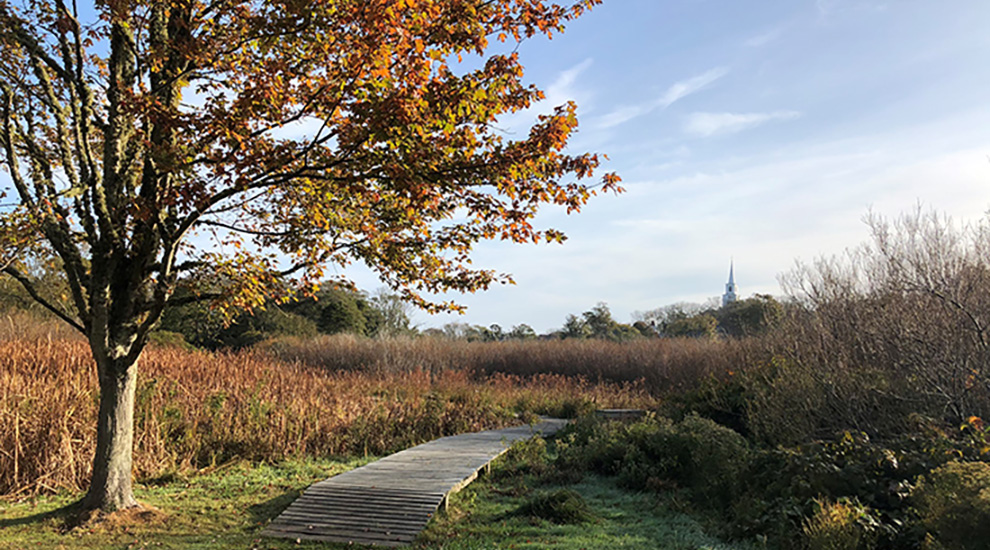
(335, 309)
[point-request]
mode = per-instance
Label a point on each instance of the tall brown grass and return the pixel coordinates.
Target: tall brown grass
(195, 409)
(662, 365)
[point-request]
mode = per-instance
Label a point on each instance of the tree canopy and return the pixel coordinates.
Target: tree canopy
(249, 145)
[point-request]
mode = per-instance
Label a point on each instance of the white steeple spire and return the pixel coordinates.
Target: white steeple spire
(730, 287)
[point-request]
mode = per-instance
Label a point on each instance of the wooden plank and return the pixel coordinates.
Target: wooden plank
(364, 511)
(340, 518)
(337, 494)
(346, 535)
(365, 530)
(388, 502)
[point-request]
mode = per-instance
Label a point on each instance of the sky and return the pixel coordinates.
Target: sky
(755, 132)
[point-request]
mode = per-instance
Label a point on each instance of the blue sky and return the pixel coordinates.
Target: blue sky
(760, 131)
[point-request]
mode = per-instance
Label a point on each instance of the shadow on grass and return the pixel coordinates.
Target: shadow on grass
(264, 512)
(67, 517)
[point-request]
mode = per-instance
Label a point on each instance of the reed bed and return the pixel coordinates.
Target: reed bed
(196, 409)
(663, 366)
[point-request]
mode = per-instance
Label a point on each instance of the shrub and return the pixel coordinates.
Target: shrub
(527, 456)
(841, 525)
(711, 459)
(168, 339)
(696, 453)
(559, 506)
(953, 503)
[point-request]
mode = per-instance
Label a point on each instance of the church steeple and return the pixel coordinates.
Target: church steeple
(730, 287)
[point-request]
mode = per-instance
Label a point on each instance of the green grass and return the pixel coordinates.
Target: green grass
(224, 508)
(227, 507)
(485, 516)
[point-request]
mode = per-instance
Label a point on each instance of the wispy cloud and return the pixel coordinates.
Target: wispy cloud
(677, 91)
(828, 7)
(710, 124)
(764, 38)
(684, 88)
(562, 87)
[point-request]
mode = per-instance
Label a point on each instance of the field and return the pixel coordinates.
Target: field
(199, 409)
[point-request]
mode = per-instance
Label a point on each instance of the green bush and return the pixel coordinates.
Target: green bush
(527, 456)
(168, 339)
(953, 503)
(696, 454)
(784, 486)
(711, 459)
(842, 525)
(559, 506)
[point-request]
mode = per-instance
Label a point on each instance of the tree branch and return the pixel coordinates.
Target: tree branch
(33, 292)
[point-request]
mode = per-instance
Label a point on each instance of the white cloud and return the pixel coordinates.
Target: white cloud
(684, 88)
(562, 89)
(710, 124)
(677, 91)
(763, 39)
(624, 114)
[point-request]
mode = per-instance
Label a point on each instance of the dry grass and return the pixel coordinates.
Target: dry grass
(662, 365)
(195, 409)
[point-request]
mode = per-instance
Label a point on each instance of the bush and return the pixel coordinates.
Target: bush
(560, 506)
(696, 453)
(953, 503)
(527, 456)
(168, 339)
(841, 525)
(785, 486)
(711, 459)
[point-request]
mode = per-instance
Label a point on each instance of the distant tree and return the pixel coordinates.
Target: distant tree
(575, 327)
(755, 315)
(433, 332)
(495, 333)
(703, 325)
(596, 323)
(599, 321)
(458, 331)
(666, 314)
(341, 311)
(394, 314)
(646, 330)
(522, 332)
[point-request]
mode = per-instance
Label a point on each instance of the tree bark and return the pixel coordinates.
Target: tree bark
(111, 488)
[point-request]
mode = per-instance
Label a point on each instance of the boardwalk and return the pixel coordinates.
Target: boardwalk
(388, 502)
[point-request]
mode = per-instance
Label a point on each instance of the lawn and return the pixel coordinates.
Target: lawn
(226, 507)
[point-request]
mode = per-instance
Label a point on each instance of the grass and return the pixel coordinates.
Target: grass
(195, 409)
(660, 365)
(222, 508)
(486, 516)
(226, 508)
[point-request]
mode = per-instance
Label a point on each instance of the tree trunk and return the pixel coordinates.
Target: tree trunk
(111, 488)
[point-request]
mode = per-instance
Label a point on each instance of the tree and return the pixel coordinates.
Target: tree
(575, 327)
(754, 315)
(293, 134)
(702, 325)
(522, 332)
(393, 314)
